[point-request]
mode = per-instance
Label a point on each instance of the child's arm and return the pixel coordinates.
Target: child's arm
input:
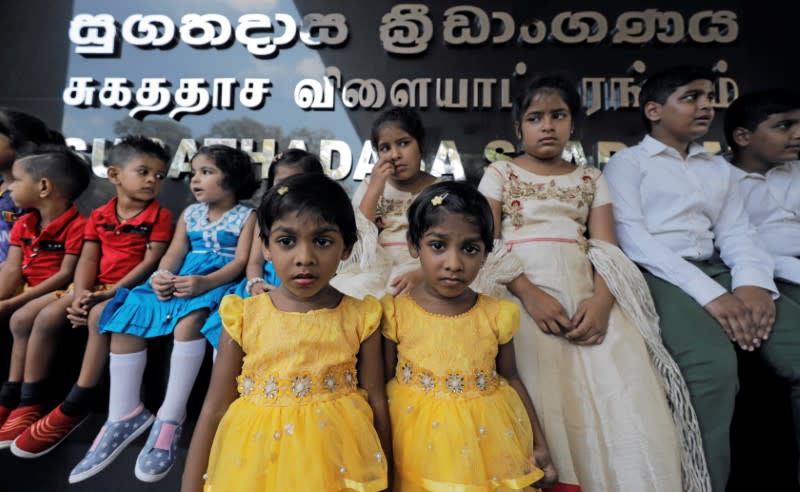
(591, 317)
(85, 276)
(11, 274)
(506, 363)
(389, 359)
(58, 281)
(222, 391)
(381, 173)
(193, 285)
(549, 315)
(624, 178)
(255, 266)
(162, 282)
(370, 377)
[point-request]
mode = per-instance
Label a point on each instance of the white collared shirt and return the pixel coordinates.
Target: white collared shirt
(772, 201)
(667, 208)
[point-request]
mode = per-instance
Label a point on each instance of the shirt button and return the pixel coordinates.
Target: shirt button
(117, 233)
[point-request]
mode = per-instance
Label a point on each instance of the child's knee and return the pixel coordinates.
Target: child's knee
(21, 323)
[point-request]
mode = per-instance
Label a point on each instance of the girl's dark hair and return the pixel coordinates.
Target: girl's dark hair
(236, 166)
(404, 118)
(26, 132)
(132, 146)
(305, 161)
(314, 194)
(547, 83)
(457, 198)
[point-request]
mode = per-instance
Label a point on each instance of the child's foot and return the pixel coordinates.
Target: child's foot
(158, 454)
(109, 443)
(18, 420)
(45, 434)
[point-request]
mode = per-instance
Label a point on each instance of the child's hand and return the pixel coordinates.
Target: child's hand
(734, 317)
(381, 173)
(260, 288)
(547, 312)
(189, 285)
(77, 316)
(541, 459)
(405, 282)
(90, 299)
(591, 321)
(762, 309)
(163, 285)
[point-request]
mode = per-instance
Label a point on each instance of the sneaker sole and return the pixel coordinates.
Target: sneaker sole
(79, 477)
(149, 477)
(21, 453)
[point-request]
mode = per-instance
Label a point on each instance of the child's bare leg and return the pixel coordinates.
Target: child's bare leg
(21, 324)
(95, 357)
(187, 356)
(41, 343)
(126, 344)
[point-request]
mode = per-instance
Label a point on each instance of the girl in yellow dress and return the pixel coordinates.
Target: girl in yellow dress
(461, 417)
(297, 417)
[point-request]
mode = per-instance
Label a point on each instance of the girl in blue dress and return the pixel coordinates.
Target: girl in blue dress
(205, 259)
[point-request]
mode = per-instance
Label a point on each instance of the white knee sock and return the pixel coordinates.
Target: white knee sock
(126, 372)
(187, 357)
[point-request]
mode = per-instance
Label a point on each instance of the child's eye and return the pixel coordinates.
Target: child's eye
(285, 241)
(142, 172)
(472, 249)
(560, 116)
(436, 245)
(160, 176)
(324, 242)
(383, 149)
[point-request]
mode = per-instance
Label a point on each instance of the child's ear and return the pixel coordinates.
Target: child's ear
(113, 174)
(265, 252)
(346, 253)
(45, 187)
(742, 136)
(652, 111)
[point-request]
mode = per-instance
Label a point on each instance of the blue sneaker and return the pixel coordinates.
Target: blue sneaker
(159, 453)
(109, 443)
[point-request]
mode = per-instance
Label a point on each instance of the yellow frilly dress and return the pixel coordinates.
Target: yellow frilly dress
(456, 425)
(300, 422)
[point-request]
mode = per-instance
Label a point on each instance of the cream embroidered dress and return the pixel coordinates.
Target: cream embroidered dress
(603, 410)
(300, 422)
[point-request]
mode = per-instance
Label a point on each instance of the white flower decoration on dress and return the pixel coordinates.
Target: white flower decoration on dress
(301, 386)
(455, 383)
(271, 387)
(407, 372)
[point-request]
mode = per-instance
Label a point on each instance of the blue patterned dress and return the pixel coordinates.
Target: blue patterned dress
(138, 312)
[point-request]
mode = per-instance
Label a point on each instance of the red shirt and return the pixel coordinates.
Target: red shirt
(43, 252)
(123, 244)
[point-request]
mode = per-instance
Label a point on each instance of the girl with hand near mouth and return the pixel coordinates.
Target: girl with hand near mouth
(380, 262)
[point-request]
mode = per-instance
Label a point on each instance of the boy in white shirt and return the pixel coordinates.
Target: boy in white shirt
(763, 131)
(675, 204)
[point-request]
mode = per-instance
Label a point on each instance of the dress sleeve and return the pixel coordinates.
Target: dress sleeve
(231, 311)
(491, 184)
(507, 321)
(602, 195)
(389, 322)
(372, 312)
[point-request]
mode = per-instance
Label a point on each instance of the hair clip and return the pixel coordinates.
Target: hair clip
(438, 199)
(282, 190)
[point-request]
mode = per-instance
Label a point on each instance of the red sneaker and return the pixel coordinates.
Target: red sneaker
(4, 413)
(45, 434)
(18, 420)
